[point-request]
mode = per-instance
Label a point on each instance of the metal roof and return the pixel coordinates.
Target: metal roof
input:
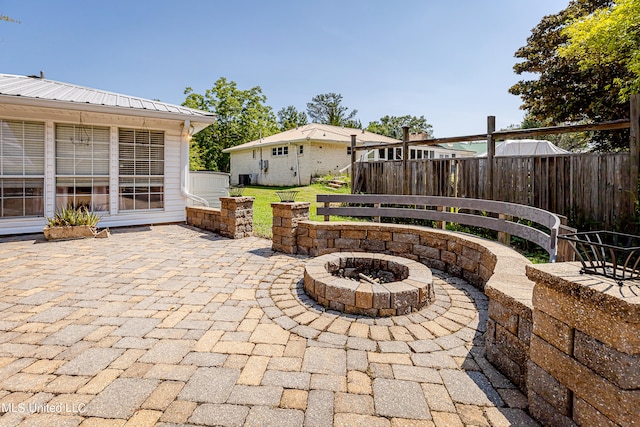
(49, 93)
(315, 132)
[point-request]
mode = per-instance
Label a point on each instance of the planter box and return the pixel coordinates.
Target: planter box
(69, 232)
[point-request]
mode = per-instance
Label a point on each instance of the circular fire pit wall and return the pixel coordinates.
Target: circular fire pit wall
(368, 284)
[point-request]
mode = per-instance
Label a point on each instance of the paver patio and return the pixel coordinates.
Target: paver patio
(171, 325)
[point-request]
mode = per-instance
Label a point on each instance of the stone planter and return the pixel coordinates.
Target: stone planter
(69, 232)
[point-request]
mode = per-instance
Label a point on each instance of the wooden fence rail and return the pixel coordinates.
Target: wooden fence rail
(592, 190)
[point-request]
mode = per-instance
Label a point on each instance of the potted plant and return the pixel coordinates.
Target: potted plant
(71, 223)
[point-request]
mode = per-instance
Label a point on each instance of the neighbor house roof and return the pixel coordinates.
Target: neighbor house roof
(525, 147)
(40, 92)
(315, 132)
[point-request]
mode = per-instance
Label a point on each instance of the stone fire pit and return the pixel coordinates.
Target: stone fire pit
(369, 284)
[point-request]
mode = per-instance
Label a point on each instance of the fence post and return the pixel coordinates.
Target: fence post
(504, 238)
(491, 151)
(564, 251)
(405, 160)
(634, 147)
(442, 225)
(353, 162)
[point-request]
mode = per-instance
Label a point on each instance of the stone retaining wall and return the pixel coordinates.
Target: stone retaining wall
(234, 219)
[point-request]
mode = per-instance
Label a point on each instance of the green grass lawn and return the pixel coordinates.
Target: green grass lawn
(264, 196)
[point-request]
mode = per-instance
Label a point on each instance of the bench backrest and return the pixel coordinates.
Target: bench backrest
(383, 205)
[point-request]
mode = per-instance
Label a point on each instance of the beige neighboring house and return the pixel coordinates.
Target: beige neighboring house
(127, 158)
(295, 156)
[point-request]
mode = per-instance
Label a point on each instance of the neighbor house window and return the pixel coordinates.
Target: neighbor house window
(280, 151)
(348, 151)
(141, 169)
(253, 153)
(82, 167)
(301, 149)
(21, 168)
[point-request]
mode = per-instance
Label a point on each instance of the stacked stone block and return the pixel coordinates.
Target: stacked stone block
(584, 365)
(508, 335)
(236, 217)
(436, 249)
(286, 217)
(204, 218)
(411, 291)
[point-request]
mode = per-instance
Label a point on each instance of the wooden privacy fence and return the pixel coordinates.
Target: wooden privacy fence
(595, 190)
(592, 189)
(447, 209)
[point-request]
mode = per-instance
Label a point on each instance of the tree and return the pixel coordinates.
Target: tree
(289, 117)
(327, 109)
(606, 37)
(391, 126)
(242, 116)
(563, 91)
(8, 19)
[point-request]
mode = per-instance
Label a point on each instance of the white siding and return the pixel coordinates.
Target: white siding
(174, 206)
(208, 185)
(317, 159)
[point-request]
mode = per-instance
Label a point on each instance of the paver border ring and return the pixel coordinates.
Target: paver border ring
(453, 319)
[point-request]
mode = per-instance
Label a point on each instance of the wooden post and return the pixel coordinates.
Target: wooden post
(491, 151)
(504, 238)
(353, 162)
(377, 218)
(565, 252)
(328, 204)
(440, 224)
(634, 147)
(405, 160)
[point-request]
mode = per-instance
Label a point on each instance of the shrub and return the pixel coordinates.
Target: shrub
(71, 216)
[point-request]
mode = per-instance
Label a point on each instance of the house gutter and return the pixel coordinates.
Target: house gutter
(184, 164)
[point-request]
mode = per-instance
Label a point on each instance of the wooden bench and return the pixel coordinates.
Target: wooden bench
(447, 209)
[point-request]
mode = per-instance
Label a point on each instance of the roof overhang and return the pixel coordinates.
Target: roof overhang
(198, 122)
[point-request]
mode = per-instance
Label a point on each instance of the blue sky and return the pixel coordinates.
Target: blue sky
(450, 61)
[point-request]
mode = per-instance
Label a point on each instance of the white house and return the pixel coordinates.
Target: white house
(127, 158)
(295, 156)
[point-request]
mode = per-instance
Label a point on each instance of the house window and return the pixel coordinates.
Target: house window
(412, 154)
(21, 168)
(419, 154)
(82, 167)
(301, 149)
(280, 151)
(432, 154)
(348, 151)
(398, 153)
(253, 152)
(381, 153)
(141, 169)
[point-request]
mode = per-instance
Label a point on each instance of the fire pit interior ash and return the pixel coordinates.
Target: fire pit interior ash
(369, 284)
